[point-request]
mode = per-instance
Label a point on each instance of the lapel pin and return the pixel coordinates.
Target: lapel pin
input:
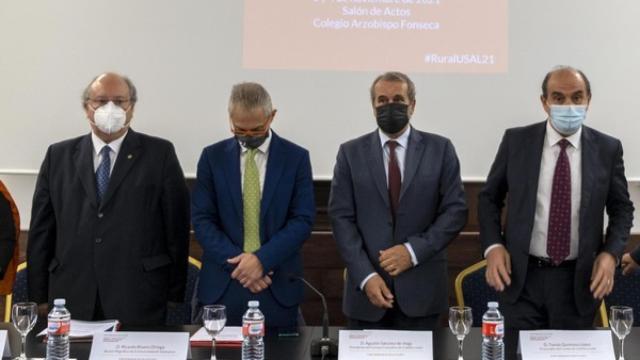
(130, 156)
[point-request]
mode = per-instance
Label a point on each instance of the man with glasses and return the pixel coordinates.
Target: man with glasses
(110, 222)
(252, 209)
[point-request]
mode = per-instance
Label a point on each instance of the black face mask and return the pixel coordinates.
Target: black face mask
(392, 117)
(252, 142)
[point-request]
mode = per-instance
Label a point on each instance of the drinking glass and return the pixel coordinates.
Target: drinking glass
(24, 316)
(621, 321)
(214, 318)
(460, 321)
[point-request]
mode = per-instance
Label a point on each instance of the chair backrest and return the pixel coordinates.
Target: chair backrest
(19, 293)
(181, 314)
(6, 283)
(472, 290)
(626, 292)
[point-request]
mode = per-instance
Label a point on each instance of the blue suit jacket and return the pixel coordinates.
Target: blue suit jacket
(286, 216)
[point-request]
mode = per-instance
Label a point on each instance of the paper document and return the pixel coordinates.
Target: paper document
(85, 329)
(230, 336)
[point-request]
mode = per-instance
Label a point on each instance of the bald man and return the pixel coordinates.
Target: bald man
(551, 264)
(110, 223)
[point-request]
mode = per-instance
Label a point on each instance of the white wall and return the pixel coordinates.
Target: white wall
(185, 55)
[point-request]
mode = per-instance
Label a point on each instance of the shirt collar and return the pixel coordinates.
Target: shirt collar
(553, 137)
(402, 140)
(264, 148)
(115, 145)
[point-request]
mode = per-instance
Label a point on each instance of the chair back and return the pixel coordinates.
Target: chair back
(181, 315)
(472, 290)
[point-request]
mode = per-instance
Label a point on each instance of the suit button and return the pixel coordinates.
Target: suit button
(98, 240)
(100, 215)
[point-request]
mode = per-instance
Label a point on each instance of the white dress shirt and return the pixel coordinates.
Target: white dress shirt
(261, 157)
(550, 152)
(114, 149)
(401, 152)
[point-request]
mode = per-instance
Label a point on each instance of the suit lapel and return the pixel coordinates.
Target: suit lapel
(588, 145)
(413, 159)
(127, 156)
(83, 158)
(275, 166)
(373, 153)
(232, 170)
(533, 156)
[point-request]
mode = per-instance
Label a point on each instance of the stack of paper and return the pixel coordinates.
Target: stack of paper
(83, 330)
(230, 336)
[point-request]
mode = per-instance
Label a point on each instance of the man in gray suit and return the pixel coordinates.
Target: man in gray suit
(551, 263)
(396, 202)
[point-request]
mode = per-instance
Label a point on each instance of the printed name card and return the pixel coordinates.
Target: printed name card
(385, 344)
(566, 345)
(140, 346)
(4, 342)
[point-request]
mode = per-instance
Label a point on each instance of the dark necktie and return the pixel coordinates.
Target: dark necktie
(395, 180)
(103, 172)
(559, 232)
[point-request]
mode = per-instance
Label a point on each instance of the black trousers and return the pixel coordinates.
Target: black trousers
(547, 301)
(395, 319)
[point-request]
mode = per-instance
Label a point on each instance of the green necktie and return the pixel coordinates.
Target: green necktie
(251, 203)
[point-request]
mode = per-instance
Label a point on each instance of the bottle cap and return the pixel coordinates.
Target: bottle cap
(254, 303)
(59, 302)
(493, 305)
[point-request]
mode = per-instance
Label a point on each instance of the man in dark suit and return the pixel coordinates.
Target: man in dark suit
(252, 209)
(110, 222)
(396, 202)
(551, 263)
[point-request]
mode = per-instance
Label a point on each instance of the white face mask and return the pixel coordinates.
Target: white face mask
(110, 118)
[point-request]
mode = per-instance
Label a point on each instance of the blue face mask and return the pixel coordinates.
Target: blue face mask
(567, 119)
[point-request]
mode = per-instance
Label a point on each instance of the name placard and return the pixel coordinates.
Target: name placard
(140, 345)
(385, 344)
(566, 345)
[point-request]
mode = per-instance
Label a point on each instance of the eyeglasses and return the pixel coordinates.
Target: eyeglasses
(118, 101)
(251, 133)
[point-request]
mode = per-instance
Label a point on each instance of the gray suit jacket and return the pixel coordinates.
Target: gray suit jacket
(515, 172)
(431, 213)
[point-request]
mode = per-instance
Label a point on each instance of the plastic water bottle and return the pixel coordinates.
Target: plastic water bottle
(253, 332)
(492, 333)
(59, 324)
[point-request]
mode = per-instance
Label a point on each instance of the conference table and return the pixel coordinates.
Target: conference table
(297, 348)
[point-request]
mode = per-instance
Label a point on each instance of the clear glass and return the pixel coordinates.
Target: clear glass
(24, 316)
(214, 318)
(460, 321)
(621, 321)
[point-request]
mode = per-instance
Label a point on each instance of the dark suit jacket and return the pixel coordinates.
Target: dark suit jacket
(286, 217)
(132, 249)
(515, 172)
(431, 213)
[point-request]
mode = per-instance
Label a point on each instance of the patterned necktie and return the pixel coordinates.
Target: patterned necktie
(559, 232)
(251, 203)
(103, 172)
(395, 179)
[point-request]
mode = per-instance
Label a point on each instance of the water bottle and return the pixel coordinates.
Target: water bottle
(59, 324)
(253, 332)
(492, 333)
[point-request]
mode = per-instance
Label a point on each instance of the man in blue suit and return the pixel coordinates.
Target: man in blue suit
(253, 208)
